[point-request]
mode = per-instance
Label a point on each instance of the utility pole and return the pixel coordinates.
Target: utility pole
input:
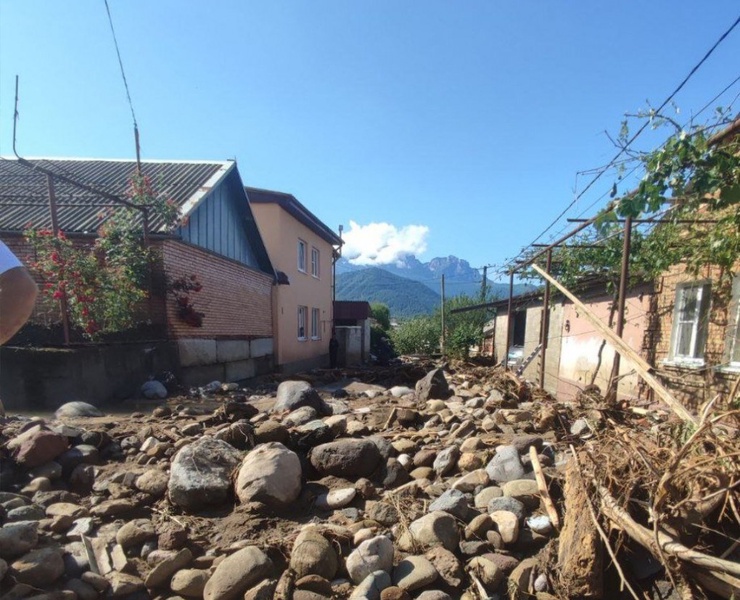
(443, 315)
(483, 320)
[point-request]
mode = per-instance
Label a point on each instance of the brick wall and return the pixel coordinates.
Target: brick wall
(236, 299)
(692, 386)
(47, 311)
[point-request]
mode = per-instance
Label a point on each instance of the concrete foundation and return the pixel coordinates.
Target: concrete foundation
(42, 379)
(206, 360)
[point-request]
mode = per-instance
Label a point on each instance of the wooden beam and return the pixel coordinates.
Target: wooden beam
(640, 365)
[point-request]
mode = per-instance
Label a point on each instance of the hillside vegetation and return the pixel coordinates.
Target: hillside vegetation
(404, 297)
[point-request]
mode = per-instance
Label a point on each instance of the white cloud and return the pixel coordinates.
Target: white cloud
(382, 243)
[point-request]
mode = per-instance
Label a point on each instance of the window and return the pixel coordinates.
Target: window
(301, 255)
(314, 262)
(733, 326)
(315, 324)
(302, 316)
(690, 322)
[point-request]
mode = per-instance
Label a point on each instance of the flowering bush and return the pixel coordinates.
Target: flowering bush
(180, 289)
(104, 284)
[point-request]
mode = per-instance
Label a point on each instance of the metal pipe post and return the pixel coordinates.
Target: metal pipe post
(509, 319)
(545, 326)
(622, 299)
(55, 231)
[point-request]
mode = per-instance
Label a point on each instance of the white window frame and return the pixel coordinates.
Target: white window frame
(733, 327)
(302, 250)
(698, 321)
(315, 258)
(315, 324)
(302, 316)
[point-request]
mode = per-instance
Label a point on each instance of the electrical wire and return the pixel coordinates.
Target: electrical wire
(120, 63)
(644, 126)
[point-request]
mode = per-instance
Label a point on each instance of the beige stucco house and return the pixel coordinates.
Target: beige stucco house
(302, 250)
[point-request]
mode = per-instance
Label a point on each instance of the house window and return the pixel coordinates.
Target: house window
(733, 326)
(302, 256)
(302, 317)
(315, 324)
(690, 322)
(314, 262)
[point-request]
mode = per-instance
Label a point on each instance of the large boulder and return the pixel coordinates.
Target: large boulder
(433, 386)
(237, 573)
(77, 409)
(349, 458)
(375, 554)
(43, 566)
(313, 554)
(37, 446)
(201, 472)
(505, 465)
(271, 474)
(296, 394)
(437, 528)
(18, 538)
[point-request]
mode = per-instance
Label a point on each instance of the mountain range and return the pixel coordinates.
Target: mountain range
(410, 287)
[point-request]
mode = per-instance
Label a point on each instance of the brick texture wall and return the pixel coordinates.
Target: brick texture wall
(236, 300)
(47, 311)
(692, 386)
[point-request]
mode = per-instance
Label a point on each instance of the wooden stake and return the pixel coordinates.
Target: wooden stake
(542, 486)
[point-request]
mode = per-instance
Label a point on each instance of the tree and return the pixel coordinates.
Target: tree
(381, 344)
(464, 329)
(382, 315)
(693, 175)
(104, 284)
(419, 335)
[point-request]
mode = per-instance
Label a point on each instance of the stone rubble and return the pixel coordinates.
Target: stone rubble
(293, 495)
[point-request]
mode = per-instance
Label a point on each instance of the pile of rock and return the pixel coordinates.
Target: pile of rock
(388, 493)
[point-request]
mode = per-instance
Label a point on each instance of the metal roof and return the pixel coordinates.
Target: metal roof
(290, 204)
(24, 195)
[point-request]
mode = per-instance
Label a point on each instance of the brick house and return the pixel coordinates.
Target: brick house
(695, 333)
(218, 242)
(303, 250)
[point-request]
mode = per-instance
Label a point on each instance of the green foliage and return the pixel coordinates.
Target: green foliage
(422, 335)
(404, 298)
(696, 177)
(464, 329)
(419, 335)
(689, 178)
(103, 285)
(382, 315)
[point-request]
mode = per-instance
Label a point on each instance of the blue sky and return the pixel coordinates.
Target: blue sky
(467, 119)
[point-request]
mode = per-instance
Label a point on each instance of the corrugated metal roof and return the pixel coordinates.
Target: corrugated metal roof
(24, 196)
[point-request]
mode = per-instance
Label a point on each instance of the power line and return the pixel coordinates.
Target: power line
(125, 84)
(623, 149)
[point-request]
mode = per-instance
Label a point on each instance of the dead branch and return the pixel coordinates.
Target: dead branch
(668, 545)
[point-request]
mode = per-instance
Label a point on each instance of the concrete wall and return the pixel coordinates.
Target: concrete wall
(42, 379)
(281, 232)
(580, 344)
(203, 360)
(573, 343)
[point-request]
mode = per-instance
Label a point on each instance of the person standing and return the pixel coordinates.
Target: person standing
(333, 350)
